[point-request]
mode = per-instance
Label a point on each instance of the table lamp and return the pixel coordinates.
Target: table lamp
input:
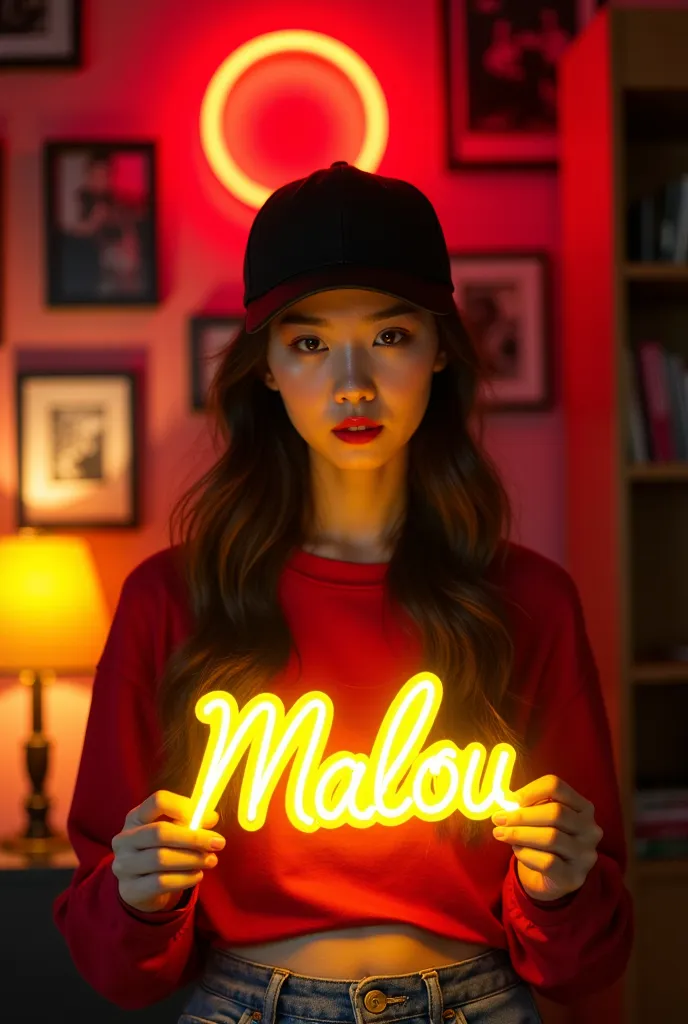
(53, 620)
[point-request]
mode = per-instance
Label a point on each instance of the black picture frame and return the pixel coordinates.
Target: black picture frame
(101, 222)
(59, 414)
(31, 49)
(504, 298)
(208, 335)
(504, 121)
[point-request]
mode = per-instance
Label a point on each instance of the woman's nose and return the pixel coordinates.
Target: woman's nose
(352, 376)
(354, 392)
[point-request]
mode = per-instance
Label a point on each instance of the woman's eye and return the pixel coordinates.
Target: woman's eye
(300, 341)
(393, 330)
(315, 350)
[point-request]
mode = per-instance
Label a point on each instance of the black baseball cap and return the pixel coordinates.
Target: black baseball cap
(344, 227)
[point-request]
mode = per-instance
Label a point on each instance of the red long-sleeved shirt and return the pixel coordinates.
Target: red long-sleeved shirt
(278, 882)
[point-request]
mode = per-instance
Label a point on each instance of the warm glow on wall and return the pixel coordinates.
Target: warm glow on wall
(288, 41)
(349, 788)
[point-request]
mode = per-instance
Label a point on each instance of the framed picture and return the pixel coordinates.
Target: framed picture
(209, 336)
(77, 449)
(3, 244)
(504, 301)
(501, 78)
(40, 33)
(101, 223)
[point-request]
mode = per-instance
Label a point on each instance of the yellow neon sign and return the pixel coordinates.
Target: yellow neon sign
(346, 788)
(291, 40)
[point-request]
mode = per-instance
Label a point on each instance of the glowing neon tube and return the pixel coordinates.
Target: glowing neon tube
(346, 788)
(223, 81)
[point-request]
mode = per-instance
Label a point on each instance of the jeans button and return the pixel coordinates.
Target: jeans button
(375, 1000)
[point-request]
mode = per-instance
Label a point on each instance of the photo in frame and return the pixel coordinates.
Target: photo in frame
(503, 299)
(101, 234)
(40, 33)
(501, 61)
(3, 244)
(77, 441)
(209, 337)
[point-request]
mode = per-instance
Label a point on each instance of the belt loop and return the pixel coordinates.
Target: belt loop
(435, 1001)
(277, 979)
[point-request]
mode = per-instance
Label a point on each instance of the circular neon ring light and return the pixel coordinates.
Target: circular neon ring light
(290, 40)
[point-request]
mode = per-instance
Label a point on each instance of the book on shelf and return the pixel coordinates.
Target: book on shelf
(648, 803)
(639, 449)
(661, 849)
(660, 826)
(657, 388)
(657, 224)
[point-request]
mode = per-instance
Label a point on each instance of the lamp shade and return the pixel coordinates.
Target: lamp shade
(53, 613)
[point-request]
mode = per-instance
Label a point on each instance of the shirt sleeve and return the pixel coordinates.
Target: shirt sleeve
(132, 958)
(573, 947)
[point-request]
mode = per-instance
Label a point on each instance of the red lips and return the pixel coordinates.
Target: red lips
(356, 421)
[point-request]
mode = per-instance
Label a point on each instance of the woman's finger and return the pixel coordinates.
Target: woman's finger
(145, 887)
(163, 859)
(551, 787)
(542, 815)
(544, 861)
(562, 874)
(548, 839)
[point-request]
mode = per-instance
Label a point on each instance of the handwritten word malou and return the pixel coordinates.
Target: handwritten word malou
(442, 779)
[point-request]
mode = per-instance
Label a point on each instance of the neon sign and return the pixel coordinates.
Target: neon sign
(346, 788)
(288, 41)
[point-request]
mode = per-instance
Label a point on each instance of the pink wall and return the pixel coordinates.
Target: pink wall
(147, 66)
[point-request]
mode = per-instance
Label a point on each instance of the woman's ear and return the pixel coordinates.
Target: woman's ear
(269, 381)
(440, 362)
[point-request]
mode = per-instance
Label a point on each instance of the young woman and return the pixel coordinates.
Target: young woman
(316, 556)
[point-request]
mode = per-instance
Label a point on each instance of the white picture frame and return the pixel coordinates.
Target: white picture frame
(77, 449)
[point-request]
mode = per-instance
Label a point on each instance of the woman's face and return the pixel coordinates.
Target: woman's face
(333, 355)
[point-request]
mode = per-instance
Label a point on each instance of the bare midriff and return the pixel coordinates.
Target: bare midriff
(355, 953)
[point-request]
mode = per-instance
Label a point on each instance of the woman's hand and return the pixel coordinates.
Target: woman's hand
(156, 860)
(554, 837)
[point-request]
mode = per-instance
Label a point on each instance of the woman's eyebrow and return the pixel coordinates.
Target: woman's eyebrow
(383, 314)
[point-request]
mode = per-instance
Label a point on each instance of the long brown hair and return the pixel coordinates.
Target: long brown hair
(241, 519)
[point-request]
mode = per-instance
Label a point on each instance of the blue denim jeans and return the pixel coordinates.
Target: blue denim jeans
(482, 990)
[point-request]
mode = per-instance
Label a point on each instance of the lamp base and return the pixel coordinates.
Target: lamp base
(36, 847)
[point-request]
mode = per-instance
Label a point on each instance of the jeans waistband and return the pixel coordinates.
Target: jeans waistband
(375, 998)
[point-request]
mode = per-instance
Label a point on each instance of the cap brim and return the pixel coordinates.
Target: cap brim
(429, 295)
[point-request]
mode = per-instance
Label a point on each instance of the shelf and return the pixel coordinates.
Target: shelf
(654, 281)
(661, 870)
(627, 529)
(660, 672)
(658, 472)
(669, 273)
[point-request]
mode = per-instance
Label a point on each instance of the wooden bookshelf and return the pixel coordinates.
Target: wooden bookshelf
(659, 672)
(660, 870)
(624, 131)
(659, 472)
(657, 273)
